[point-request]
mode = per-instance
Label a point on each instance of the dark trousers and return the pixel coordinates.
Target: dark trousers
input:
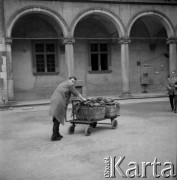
(171, 97)
(175, 102)
(56, 125)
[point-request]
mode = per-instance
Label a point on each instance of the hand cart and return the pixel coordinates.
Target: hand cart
(91, 123)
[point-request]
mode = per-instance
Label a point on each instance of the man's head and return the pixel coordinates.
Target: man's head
(73, 79)
(173, 73)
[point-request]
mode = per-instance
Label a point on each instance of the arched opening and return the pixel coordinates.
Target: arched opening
(37, 56)
(149, 58)
(97, 53)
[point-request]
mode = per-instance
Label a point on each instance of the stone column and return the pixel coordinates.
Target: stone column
(69, 55)
(10, 86)
(3, 61)
(172, 54)
(125, 67)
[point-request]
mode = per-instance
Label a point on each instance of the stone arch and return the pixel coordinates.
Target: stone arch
(115, 20)
(163, 19)
(29, 10)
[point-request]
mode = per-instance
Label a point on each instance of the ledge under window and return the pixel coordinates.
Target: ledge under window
(100, 72)
(45, 74)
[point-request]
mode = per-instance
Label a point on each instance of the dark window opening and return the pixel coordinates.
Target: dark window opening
(104, 62)
(99, 56)
(94, 62)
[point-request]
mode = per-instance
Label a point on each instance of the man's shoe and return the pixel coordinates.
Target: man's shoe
(56, 139)
(60, 135)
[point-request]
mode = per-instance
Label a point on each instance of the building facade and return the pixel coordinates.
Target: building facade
(111, 46)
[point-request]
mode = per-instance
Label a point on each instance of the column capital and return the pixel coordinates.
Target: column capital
(124, 40)
(9, 41)
(172, 40)
(68, 41)
(2, 40)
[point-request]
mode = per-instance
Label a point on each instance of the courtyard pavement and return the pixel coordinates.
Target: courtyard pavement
(37, 102)
(146, 132)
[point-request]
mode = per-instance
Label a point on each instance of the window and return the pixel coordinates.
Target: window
(44, 57)
(99, 57)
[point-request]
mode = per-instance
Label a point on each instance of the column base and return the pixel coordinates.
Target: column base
(3, 97)
(10, 90)
(125, 95)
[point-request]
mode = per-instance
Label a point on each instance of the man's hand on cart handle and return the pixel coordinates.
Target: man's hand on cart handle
(81, 98)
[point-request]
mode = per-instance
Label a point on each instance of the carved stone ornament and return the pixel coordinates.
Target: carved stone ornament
(124, 40)
(9, 41)
(68, 41)
(2, 40)
(172, 40)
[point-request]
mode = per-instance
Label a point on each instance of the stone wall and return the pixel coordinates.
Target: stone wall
(116, 17)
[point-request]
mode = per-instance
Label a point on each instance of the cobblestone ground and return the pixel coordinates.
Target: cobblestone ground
(146, 130)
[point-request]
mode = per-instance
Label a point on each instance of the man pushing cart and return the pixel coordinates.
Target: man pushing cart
(84, 111)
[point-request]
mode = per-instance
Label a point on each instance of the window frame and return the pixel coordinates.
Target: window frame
(99, 54)
(34, 66)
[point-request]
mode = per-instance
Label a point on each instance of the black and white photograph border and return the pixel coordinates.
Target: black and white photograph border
(118, 55)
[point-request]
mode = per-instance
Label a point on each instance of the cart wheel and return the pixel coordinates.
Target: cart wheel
(88, 131)
(94, 124)
(114, 123)
(71, 129)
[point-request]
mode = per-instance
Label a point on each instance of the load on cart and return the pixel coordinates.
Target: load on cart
(91, 111)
